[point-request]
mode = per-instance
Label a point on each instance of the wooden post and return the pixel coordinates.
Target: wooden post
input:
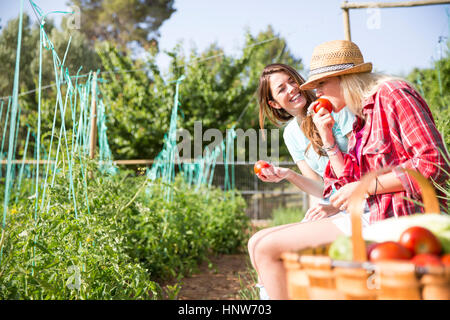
(346, 16)
(346, 6)
(400, 4)
(93, 133)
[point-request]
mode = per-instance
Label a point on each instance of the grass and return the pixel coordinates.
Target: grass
(248, 290)
(282, 216)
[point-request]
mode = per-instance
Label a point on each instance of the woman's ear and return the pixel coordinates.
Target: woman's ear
(274, 104)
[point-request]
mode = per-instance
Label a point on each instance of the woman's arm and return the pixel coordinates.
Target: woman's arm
(336, 157)
(317, 210)
(324, 122)
(386, 183)
(312, 183)
(309, 181)
(420, 141)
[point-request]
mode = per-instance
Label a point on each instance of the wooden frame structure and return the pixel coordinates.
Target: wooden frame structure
(346, 6)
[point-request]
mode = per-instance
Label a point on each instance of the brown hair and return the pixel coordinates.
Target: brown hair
(280, 116)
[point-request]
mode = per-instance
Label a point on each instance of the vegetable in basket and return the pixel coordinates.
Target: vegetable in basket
(391, 229)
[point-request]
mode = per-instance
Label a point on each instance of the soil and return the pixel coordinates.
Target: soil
(220, 279)
(223, 277)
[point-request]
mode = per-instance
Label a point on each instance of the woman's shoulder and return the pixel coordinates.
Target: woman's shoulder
(292, 131)
(292, 127)
(398, 93)
(390, 86)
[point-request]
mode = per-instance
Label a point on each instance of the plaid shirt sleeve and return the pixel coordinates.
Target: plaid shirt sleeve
(350, 174)
(418, 143)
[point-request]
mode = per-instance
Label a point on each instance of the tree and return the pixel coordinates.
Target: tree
(219, 90)
(79, 55)
(8, 46)
(124, 21)
(433, 84)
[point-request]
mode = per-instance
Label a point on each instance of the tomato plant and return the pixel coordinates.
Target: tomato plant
(119, 249)
(323, 103)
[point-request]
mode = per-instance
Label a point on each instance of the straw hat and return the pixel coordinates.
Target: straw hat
(335, 58)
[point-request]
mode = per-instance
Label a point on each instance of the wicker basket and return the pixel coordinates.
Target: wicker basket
(311, 274)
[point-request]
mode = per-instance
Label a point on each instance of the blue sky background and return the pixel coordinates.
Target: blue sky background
(395, 40)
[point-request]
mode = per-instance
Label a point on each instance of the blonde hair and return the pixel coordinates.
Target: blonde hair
(357, 87)
(280, 116)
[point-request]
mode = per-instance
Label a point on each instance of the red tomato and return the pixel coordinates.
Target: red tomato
(445, 259)
(426, 259)
(323, 103)
(389, 250)
(420, 240)
(369, 248)
(259, 165)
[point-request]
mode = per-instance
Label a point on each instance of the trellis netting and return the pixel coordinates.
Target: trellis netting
(75, 95)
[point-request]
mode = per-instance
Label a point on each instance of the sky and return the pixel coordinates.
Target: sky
(395, 40)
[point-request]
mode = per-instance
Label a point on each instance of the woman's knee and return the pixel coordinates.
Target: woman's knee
(254, 243)
(254, 239)
(265, 247)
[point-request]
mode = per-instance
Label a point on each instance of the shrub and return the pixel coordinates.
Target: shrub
(123, 239)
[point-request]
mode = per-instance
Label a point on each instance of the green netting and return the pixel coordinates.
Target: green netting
(12, 127)
(69, 143)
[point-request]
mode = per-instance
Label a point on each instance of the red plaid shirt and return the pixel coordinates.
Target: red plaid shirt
(399, 131)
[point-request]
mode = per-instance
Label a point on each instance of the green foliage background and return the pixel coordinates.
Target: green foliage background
(128, 242)
(434, 85)
(218, 90)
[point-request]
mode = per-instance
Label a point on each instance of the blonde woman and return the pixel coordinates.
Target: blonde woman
(394, 128)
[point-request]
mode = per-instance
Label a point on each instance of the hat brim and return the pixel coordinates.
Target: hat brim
(315, 79)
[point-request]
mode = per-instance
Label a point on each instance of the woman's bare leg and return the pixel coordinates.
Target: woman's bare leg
(267, 247)
(257, 237)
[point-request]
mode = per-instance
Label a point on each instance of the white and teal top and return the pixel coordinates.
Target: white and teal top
(297, 142)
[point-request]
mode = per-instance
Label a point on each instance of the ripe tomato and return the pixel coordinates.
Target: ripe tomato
(389, 250)
(420, 240)
(369, 248)
(259, 165)
(323, 103)
(445, 259)
(426, 259)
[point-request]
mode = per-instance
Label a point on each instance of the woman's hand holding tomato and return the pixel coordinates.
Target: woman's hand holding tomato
(321, 116)
(269, 173)
(259, 165)
(323, 103)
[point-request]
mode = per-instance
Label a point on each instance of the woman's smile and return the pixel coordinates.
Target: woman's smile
(286, 94)
(296, 97)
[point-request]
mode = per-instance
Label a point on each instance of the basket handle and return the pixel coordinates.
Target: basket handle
(356, 206)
